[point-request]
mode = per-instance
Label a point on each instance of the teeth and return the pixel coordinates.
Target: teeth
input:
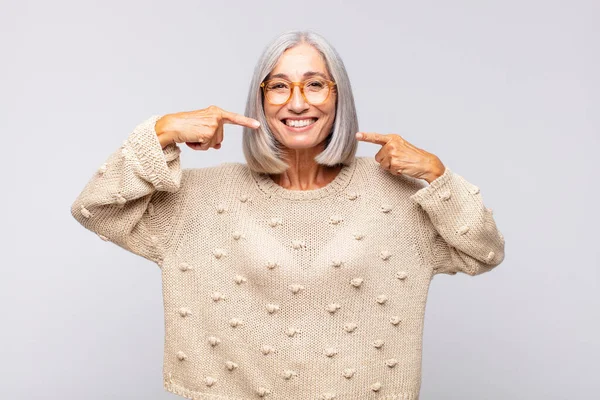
(299, 123)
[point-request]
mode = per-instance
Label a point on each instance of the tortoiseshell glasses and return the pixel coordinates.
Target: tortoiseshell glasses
(315, 91)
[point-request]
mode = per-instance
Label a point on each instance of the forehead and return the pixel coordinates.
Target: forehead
(296, 61)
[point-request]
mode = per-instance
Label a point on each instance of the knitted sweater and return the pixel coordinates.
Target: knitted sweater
(288, 294)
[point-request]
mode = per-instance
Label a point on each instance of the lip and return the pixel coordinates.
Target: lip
(302, 129)
(299, 118)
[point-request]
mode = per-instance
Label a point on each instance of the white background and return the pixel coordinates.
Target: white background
(503, 92)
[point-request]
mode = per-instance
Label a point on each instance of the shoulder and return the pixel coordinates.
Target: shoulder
(203, 188)
(386, 182)
(214, 178)
(212, 172)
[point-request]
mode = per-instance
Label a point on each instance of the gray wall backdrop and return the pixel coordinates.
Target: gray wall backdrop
(504, 92)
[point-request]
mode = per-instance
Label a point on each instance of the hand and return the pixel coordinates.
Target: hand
(202, 129)
(400, 157)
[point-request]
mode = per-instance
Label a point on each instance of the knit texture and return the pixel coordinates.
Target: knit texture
(288, 294)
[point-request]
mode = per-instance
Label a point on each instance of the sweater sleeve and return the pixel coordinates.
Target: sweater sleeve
(466, 239)
(133, 198)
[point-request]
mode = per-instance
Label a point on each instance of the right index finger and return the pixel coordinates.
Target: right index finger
(233, 118)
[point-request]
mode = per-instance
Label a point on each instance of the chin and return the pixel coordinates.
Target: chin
(298, 142)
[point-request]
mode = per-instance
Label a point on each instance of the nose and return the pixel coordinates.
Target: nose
(297, 102)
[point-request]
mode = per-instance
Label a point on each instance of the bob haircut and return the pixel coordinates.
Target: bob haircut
(260, 146)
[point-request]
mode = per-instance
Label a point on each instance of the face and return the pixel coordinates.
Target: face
(294, 63)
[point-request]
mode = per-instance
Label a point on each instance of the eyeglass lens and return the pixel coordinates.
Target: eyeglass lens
(315, 90)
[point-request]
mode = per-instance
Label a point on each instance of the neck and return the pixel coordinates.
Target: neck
(303, 172)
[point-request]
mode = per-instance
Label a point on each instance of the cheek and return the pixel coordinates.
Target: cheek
(271, 115)
(271, 119)
(330, 114)
(270, 111)
(331, 109)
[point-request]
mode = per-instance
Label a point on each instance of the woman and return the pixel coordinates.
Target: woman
(304, 273)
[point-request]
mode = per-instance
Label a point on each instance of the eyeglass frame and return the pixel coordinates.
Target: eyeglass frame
(330, 84)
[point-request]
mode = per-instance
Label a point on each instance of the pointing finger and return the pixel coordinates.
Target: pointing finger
(373, 137)
(237, 119)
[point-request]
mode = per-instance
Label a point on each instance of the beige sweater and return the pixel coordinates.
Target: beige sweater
(284, 294)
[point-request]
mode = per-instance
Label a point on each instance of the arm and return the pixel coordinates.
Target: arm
(133, 199)
(466, 239)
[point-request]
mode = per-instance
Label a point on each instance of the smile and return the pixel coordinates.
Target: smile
(299, 125)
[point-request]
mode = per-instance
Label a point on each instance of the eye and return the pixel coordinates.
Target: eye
(277, 85)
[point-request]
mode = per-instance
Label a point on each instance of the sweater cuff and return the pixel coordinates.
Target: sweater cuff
(160, 167)
(426, 192)
(456, 209)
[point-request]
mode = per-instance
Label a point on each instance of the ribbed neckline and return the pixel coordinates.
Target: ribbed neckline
(268, 186)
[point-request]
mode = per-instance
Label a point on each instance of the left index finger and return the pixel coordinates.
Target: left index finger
(373, 137)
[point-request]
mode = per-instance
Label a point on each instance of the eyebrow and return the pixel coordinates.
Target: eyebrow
(306, 74)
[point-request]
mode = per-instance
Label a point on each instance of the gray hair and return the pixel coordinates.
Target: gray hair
(260, 147)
